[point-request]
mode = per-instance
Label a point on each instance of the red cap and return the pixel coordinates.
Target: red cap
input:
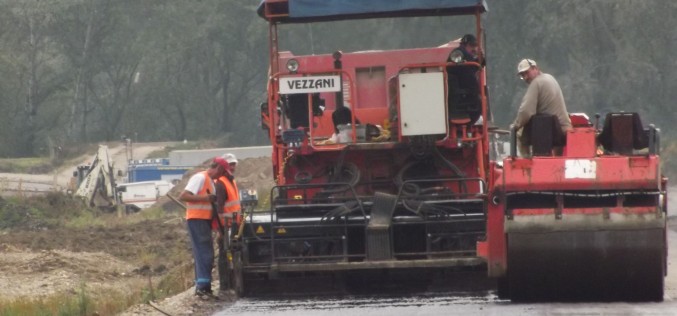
(222, 162)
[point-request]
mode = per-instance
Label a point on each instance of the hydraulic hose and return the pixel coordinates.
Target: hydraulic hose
(349, 169)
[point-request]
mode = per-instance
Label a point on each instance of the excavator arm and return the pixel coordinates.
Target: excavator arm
(97, 187)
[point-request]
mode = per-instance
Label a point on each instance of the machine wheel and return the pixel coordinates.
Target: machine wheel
(238, 274)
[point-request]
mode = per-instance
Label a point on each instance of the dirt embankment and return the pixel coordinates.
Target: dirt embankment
(46, 262)
(117, 257)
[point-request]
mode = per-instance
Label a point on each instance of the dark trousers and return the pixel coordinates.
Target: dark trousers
(222, 263)
(200, 232)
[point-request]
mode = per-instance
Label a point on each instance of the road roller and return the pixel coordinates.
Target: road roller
(584, 217)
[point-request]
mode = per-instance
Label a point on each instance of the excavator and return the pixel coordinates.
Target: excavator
(95, 182)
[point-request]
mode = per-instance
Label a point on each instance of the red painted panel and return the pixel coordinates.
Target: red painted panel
(612, 172)
(371, 87)
(582, 143)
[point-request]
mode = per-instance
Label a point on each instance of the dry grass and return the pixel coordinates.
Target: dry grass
(84, 303)
(75, 303)
(57, 210)
(98, 219)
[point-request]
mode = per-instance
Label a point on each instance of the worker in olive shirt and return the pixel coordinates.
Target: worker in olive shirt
(199, 195)
(543, 96)
(228, 203)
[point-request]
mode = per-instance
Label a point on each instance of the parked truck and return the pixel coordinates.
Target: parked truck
(139, 195)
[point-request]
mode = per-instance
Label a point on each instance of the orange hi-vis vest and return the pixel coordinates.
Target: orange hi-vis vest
(201, 210)
(232, 206)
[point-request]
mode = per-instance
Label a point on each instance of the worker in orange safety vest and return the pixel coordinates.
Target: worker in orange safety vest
(199, 195)
(228, 202)
(231, 200)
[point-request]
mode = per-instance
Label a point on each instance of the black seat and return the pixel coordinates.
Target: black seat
(295, 107)
(543, 133)
(464, 93)
(623, 132)
(342, 116)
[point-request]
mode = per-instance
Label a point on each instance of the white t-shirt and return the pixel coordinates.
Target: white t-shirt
(195, 184)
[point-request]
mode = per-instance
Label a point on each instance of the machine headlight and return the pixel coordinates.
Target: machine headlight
(456, 56)
(292, 65)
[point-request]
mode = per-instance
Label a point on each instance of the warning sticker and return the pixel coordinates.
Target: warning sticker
(580, 169)
(281, 230)
(260, 230)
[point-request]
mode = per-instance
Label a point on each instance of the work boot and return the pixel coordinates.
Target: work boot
(205, 294)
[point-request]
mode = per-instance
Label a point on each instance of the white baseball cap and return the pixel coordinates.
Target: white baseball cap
(525, 64)
(230, 158)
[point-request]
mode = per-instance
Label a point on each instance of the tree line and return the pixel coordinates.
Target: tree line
(74, 71)
(82, 71)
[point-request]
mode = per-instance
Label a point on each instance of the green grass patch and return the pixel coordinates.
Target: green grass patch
(60, 304)
(152, 213)
(38, 212)
(57, 209)
(86, 219)
(35, 165)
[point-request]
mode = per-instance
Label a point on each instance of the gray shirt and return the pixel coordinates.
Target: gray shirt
(544, 96)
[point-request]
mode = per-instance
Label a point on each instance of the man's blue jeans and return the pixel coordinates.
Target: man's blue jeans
(200, 231)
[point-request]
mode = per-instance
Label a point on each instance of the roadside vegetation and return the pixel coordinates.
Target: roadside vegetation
(26, 165)
(82, 302)
(152, 240)
(43, 212)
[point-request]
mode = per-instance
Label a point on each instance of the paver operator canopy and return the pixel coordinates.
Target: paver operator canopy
(304, 11)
